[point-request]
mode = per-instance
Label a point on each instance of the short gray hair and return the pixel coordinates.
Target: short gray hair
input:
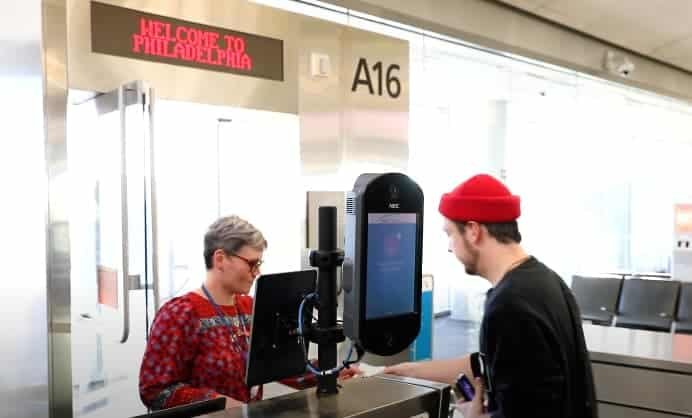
(231, 233)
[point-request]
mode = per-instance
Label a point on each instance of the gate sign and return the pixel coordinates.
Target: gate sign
(134, 34)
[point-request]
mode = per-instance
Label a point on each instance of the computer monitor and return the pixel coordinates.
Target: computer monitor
(276, 352)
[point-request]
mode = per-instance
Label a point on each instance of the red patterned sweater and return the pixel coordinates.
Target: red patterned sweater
(191, 356)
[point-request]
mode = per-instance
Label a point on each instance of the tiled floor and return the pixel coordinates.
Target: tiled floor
(452, 338)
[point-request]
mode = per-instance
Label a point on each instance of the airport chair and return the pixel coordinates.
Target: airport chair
(648, 304)
(683, 324)
(597, 297)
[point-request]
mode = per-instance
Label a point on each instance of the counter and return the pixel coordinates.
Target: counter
(642, 374)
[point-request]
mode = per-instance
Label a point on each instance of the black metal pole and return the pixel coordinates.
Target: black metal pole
(326, 289)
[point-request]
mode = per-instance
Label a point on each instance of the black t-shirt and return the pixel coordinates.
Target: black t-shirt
(534, 348)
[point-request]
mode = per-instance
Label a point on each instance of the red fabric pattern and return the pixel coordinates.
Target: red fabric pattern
(191, 356)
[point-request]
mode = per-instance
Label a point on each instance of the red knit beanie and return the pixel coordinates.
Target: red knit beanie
(482, 198)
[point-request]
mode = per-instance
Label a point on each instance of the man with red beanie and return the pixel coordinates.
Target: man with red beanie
(531, 343)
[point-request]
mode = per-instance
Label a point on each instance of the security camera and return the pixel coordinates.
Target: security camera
(626, 68)
(619, 64)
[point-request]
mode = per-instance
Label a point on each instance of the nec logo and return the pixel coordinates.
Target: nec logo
(393, 206)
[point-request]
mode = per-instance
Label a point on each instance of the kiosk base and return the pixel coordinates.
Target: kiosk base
(371, 397)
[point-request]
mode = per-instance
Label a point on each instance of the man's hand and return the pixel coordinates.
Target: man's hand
(445, 371)
(232, 402)
(407, 369)
(349, 372)
(474, 409)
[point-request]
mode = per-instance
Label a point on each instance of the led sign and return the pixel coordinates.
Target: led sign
(134, 34)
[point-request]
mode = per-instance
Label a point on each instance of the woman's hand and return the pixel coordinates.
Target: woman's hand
(349, 372)
(474, 409)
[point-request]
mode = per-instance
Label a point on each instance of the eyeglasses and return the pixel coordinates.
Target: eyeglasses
(254, 265)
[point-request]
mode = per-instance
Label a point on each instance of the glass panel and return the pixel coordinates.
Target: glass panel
(259, 174)
(214, 161)
(457, 121)
(95, 159)
(103, 376)
(187, 188)
(546, 167)
(660, 153)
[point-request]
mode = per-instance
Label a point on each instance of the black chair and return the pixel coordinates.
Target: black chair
(190, 410)
(648, 304)
(597, 297)
(684, 316)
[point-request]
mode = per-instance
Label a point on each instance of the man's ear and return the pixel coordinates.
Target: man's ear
(476, 232)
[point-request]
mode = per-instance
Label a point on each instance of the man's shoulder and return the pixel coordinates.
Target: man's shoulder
(534, 279)
(536, 269)
(517, 300)
(506, 302)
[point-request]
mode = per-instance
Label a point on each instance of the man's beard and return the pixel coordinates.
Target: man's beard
(472, 266)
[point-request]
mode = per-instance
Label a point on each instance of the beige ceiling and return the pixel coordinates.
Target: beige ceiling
(661, 29)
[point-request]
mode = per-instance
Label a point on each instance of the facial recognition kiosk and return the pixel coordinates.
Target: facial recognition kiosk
(382, 269)
(382, 311)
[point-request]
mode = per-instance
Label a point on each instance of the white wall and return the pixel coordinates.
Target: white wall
(23, 317)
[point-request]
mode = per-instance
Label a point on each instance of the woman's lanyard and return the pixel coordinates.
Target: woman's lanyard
(224, 318)
(243, 352)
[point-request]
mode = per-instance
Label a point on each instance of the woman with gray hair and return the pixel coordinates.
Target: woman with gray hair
(199, 342)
